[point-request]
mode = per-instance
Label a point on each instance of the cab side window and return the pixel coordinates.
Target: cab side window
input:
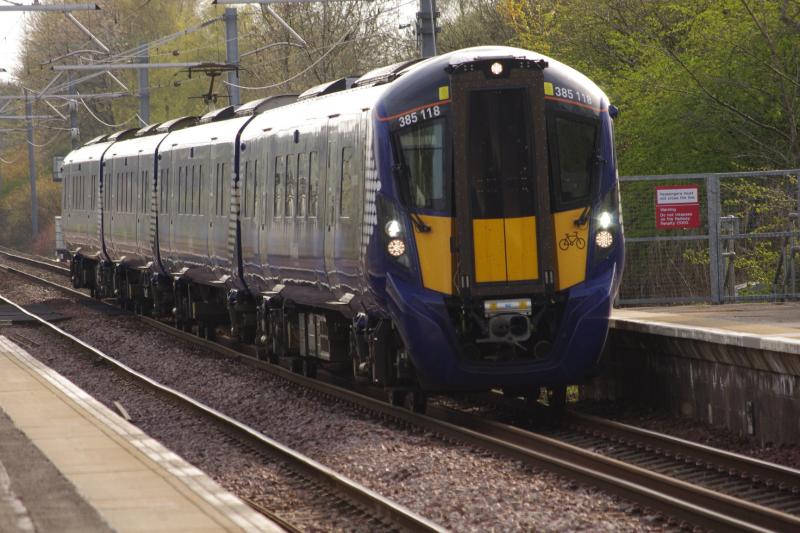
(346, 185)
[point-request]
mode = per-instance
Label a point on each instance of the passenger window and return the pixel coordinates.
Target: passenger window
(223, 191)
(94, 191)
(216, 191)
(254, 189)
(280, 169)
(187, 194)
(162, 183)
(192, 193)
(245, 192)
(302, 184)
(291, 184)
(167, 191)
(346, 192)
(313, 184)
(199, 200)
(142, 203)
(182, 189)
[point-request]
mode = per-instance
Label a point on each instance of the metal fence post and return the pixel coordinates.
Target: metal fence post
(712, 189)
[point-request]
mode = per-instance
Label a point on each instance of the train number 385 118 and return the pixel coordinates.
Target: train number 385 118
(416, 116)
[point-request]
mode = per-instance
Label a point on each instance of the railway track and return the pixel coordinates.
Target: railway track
(368, 506)
(760, 482)
(683, 480)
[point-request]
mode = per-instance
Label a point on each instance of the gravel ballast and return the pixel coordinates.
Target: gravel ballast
(459, 487)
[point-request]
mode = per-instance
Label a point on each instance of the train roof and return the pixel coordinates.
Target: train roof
(134, 146)
(391, 89)
(254, 107)
(223, 131)
(341, 102)
(420, 82)
(89, 152)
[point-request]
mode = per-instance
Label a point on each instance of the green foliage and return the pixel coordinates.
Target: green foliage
(702, 86)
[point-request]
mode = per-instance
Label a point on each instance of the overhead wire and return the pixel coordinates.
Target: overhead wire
(101, 121)
(12, 162)
(326, 53)
(52, 139)
(284, 82)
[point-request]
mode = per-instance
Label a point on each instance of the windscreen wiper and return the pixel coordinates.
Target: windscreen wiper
(400, 171)
(421, 226)
(584, 218)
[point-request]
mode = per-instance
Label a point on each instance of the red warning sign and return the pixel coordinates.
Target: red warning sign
(677, 206)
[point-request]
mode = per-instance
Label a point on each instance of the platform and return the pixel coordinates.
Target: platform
(733, 365)
(765, 326)
(68, 463)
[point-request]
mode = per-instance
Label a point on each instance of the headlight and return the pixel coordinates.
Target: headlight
(604, 239)
(393, 229)
(606, 230)
(497, 68)
(396, 247)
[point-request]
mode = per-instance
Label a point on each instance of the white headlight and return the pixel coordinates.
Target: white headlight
(497, 68)
(604, 239)
(604, 219)
(396, 248)
(393, 228)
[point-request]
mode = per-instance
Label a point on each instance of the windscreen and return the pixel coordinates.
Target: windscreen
(499, 160)
(422, 150)
(575, 159)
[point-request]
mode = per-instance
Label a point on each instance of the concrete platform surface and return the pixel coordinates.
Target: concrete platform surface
(67, 463)
(765, 326)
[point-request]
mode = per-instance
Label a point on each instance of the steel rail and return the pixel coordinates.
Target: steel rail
(762, 471)
(363, 497)
(676, 498)
(35, 262)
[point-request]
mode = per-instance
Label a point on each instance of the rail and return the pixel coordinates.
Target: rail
(363, 497)
(684, 501)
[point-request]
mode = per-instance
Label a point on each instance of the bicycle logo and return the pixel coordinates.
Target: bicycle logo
(572, 239)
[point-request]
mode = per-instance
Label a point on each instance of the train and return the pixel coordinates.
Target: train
(446, 224)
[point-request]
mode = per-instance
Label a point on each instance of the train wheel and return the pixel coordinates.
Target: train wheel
(296, 365)
(415, 401)
(556, 401)
(396, 397)
(309, 367)
(557, 397)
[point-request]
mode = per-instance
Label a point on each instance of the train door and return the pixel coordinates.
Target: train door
(145, 169)
(113, 197)
(329, 211)
(343, 200)
(220, 166)
(502, 198)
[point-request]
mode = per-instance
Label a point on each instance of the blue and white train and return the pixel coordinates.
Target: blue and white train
(439, 225)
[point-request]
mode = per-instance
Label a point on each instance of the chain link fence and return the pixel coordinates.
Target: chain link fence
(711, 238)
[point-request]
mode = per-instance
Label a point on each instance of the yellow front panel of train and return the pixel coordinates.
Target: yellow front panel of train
(433, 248)
(522, 262)
(572, 245)
(505, 249)
(488, 241)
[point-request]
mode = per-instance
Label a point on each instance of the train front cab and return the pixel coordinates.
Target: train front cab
(515, 293)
